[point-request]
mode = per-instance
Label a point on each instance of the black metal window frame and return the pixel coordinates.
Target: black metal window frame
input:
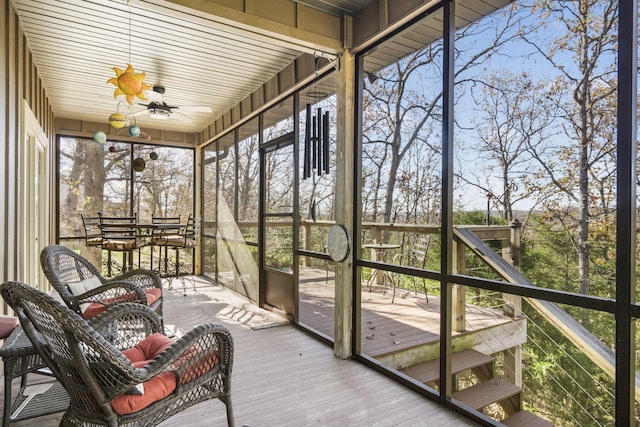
(58, 237)
(624, 306)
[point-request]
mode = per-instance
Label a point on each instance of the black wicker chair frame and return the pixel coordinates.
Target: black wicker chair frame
(86, 357)
(62, 266)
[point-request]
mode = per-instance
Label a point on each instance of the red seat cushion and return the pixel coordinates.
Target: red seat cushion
(96, 308)
(155, 389)
(7, 325)
(161, 386)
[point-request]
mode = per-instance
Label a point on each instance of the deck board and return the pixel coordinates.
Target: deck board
(386, 327)
(284, 377)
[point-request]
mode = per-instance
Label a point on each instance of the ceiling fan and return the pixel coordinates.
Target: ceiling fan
(158, 109)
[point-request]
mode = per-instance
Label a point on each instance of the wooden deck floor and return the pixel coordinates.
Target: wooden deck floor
(386, 327)
(283, 377)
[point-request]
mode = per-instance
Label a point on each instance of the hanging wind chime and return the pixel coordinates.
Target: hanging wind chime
(129, 84)
(316, 140)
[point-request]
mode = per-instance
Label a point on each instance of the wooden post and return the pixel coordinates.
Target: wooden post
(458, 313)
(513, 306)
(516, 232)
(511, 253)
(306, 244)
(513, 365)
(345, 160)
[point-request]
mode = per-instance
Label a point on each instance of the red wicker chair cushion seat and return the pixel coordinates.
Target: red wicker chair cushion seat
(161, 386)
(155, 389)
(7, 325)
(96, 308)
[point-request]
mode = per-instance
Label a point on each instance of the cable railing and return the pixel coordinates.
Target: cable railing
(560, 375)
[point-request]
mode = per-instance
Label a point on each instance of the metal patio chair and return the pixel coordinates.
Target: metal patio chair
(121, 234)
(417, 257)
(92, 232)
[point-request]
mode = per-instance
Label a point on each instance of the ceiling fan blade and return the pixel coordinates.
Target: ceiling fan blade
(139, 113)
(195, 108)
(182, 117)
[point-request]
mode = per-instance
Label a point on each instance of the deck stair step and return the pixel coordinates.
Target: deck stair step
(486, 392)
(427, 372)
(526, 419)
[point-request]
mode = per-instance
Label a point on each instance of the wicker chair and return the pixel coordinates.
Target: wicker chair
(90, 360)
(66, 270)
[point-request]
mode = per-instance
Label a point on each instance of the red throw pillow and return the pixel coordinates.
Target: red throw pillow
(207, 360)
(148, 348)
(153, 295)
(7, 325)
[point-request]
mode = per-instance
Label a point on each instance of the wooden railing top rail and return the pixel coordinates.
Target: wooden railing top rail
(491, 232)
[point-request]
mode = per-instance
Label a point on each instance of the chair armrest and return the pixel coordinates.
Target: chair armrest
(125, 325)
(139, 277)
(203, 353)
(112, 293)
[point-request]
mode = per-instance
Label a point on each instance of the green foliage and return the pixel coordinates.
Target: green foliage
(560, 381)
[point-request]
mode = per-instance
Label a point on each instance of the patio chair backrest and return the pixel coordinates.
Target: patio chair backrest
(164, 233)
(191, 231)
(119, 228)
(92, 231)
(165, 219)
(62, 266)
(420, 250)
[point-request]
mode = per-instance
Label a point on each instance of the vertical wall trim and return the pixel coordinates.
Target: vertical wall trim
(4, 137)
(12, 145)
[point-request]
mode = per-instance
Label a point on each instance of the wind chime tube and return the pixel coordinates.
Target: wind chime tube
(325, 141)
(320, 139)
(314, 144)
(307, 143)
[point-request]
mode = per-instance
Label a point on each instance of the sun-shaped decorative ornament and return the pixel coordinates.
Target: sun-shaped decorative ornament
(129, 83)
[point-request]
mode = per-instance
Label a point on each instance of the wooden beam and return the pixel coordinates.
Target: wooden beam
(295, 25)
(345, 160)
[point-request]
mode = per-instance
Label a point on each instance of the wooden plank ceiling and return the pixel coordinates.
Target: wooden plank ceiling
(199, 61)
